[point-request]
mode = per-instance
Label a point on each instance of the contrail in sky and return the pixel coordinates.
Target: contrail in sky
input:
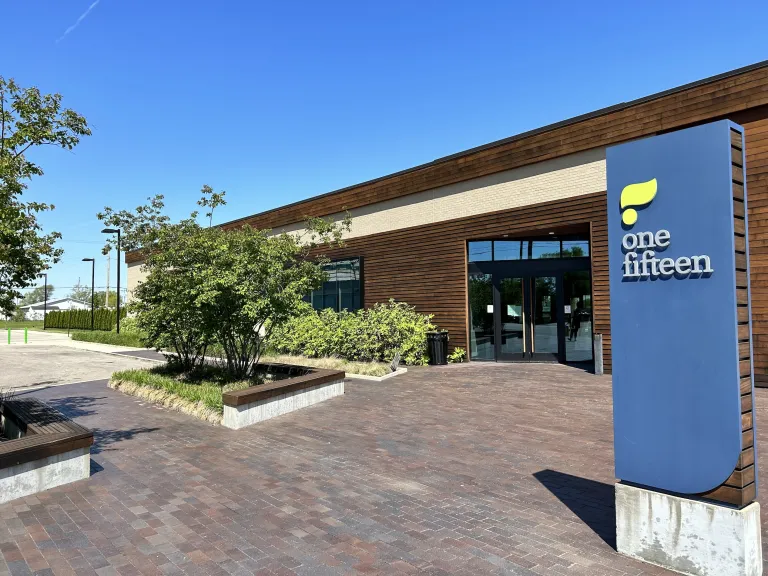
(80, 19)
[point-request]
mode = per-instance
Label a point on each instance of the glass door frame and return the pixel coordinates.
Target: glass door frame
(528, 320)
(499, 354)
(528, 270)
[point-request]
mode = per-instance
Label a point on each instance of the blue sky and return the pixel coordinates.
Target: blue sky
(279, 101)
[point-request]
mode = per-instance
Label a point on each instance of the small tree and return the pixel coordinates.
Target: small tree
(80, 292)
(37, 294)
(251, 282)
(165, 303)
(206, 285)
(28, 119)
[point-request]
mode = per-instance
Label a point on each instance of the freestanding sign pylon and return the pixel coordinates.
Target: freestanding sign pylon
(682, 352)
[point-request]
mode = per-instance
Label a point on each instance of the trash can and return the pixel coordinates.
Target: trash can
(437, 347)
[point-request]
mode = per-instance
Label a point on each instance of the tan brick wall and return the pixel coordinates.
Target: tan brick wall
(565, 177)
(135, 275)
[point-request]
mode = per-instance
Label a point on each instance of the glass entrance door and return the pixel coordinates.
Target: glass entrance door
(530, 299)
(512, 341)
(577, 287)
(543, 316)
(482, 339)
(527, 320)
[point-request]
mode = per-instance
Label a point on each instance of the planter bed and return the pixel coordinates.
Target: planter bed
(284, 388)
(258, 403)
(41, 449)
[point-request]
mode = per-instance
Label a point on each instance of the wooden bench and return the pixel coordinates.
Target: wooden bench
(47, 432)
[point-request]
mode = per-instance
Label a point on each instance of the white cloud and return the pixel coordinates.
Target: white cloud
(80, 19)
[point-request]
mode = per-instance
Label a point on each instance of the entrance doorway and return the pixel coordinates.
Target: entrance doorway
(530, 309)
(527, 318)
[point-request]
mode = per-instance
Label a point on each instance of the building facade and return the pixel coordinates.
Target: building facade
(506, 244)
(37, 310)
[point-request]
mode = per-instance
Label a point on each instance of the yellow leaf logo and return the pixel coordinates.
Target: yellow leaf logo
(636, 195)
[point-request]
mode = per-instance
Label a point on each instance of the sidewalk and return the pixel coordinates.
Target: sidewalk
(42, 338)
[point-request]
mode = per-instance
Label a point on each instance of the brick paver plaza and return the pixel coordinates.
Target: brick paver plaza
(470, 469)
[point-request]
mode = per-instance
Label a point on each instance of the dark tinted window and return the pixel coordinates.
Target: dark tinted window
(342, 289)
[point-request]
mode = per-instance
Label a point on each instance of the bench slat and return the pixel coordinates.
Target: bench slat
(48, 432)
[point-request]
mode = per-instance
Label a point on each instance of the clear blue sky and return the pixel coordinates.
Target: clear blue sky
(279, 101)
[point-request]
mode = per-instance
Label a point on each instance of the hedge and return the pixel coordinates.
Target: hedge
(104, 337)
(375, 334)
(104, 319)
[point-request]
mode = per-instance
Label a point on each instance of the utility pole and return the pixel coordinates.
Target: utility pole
(93, 287)
(106, 297)
(116, 231)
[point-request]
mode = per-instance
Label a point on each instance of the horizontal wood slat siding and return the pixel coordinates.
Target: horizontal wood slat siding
(755, 124)
(704, 102)
(425, 266)
(739, 488)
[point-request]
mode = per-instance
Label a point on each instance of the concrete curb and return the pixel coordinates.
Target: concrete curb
(377, 378)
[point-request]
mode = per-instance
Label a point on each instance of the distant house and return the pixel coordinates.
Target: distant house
(35, 311)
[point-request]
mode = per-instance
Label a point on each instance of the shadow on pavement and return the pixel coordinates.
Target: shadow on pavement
(95, 467)
(76, 406)
(593, 502)
(147, 354)
(103, 438)
(82, 406)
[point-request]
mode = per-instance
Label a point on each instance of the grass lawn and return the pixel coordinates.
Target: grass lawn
(350, 367)
(32, 325)
(104, 337)
(29, 324)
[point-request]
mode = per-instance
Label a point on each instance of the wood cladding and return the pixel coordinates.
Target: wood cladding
(425, 266)
(739, 489)
(716, 99)
(737, 97)
(313, 377)
(755, 124)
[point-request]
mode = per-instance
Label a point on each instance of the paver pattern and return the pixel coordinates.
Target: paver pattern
(469, 469)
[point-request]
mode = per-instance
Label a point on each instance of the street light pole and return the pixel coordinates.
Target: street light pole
(118, 281)
(116, 231)
(93, 281)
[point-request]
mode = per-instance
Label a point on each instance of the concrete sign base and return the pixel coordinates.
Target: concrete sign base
(688, 536)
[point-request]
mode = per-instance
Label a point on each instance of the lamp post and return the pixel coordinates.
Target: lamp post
(93, 280)
(45, 295)
(116, 231)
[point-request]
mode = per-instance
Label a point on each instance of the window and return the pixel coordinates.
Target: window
(528, 249)
(575, 248)
(480, 251)
(507, 250)
(342, 289)
(545, 249)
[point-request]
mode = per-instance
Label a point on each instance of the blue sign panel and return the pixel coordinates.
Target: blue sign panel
(676, 399)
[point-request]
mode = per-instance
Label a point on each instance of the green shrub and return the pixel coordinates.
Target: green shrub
(128, 325)
(365, 335)
(104, 319)
(103, 337)
(458, 356)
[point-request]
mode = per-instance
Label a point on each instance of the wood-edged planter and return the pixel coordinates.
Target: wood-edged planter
(258, 403)
(42, 449)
